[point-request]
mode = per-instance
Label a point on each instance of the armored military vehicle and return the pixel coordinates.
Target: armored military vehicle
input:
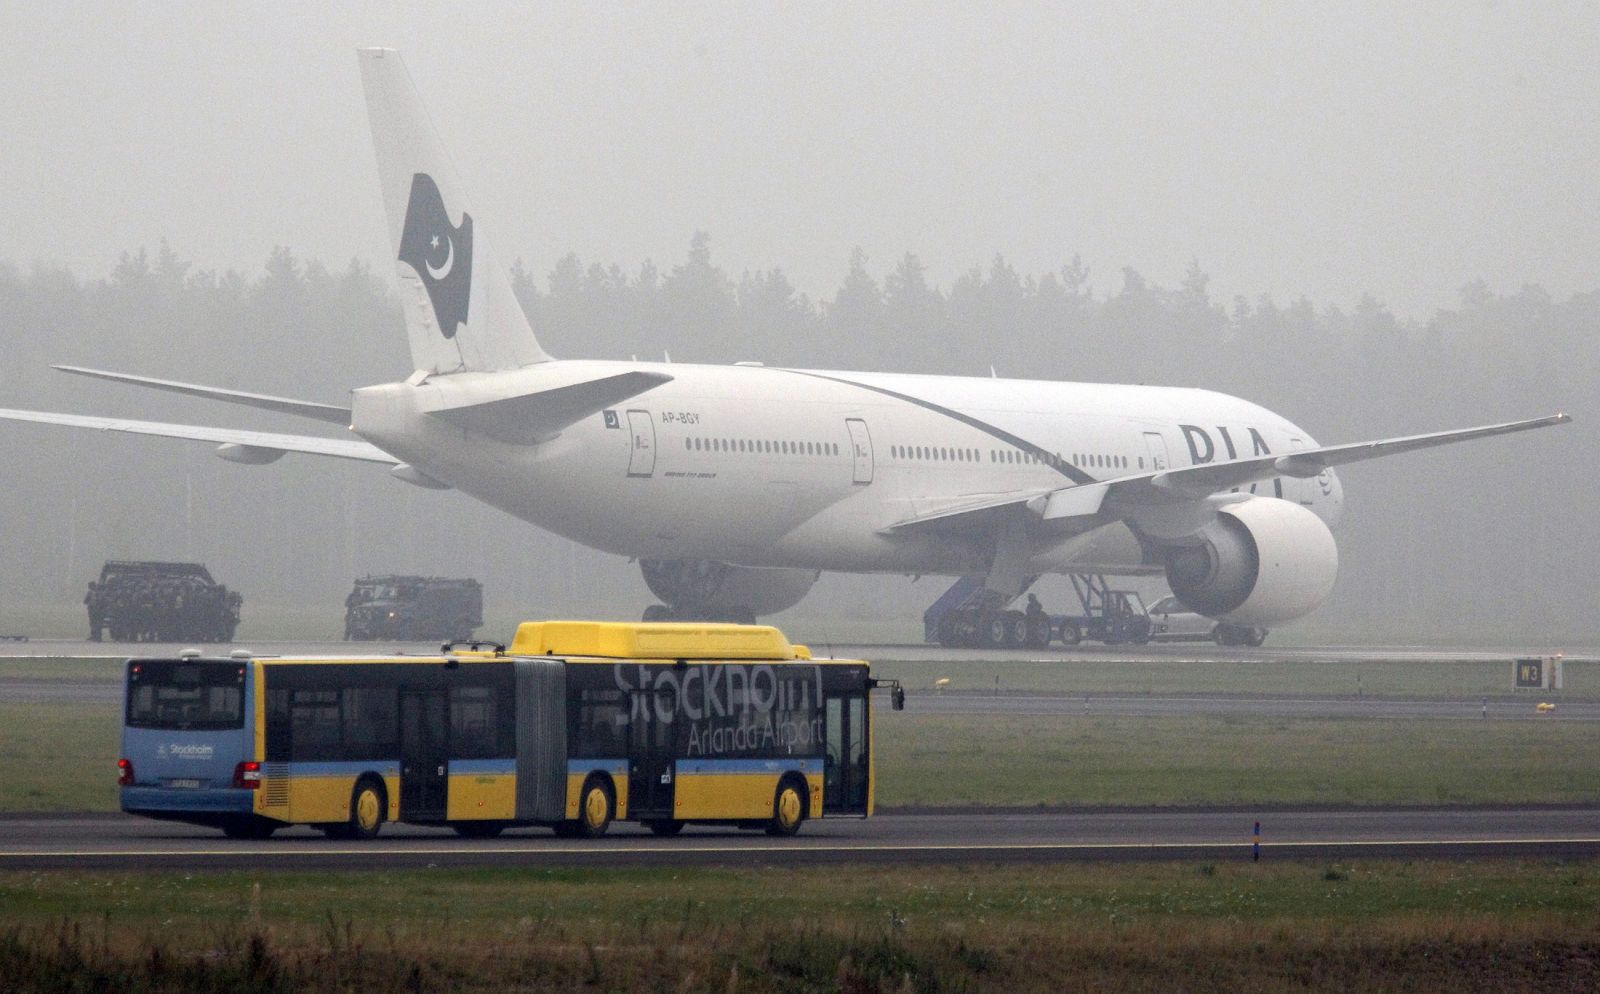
(138, 601)
(412, 609)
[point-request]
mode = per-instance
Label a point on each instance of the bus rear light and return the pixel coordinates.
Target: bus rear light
(247, 775)
(124, 773)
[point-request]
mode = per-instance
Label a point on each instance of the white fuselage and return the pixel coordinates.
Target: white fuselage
(804, 469)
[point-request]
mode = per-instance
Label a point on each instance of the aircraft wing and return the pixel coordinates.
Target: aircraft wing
(1196, 482)
(240, 446)
(283, 405)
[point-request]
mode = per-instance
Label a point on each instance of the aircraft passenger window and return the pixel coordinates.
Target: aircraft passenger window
(688, 443)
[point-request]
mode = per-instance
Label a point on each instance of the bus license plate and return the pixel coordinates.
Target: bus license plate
(188, 783)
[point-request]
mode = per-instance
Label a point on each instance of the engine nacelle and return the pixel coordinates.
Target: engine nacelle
(720, 590)
(1263, 562)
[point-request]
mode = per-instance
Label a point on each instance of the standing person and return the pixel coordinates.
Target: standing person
(96, 604)
(351, 601)
(234, 604)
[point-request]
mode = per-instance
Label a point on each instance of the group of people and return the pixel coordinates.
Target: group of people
(131, 608)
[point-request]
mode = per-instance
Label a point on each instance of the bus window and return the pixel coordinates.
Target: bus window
(371, 722)
(185, 695)
(598, 728)
(314, 726)
(474, 724)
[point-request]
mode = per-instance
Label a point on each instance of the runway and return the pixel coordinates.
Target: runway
(124, 843)
(1168, 652)
(1173, 705)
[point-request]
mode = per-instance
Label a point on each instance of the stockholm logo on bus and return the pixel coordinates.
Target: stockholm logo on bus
(440, 252)
(728, 708)
(1203, 449)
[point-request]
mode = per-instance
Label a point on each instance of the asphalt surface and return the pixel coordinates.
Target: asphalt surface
(1174, 705)
(116, 842)
(1162, 652)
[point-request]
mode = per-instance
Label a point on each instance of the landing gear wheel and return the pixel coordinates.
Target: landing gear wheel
(788, 809)
(1256, 637)
(596, 806)
(1016, 629)
(657, 612)
(1039, 632)
(992, 631)
(668, 826)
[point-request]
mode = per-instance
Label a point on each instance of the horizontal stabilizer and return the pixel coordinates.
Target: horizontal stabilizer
(283, 405)
(535, 417)
(240, 446)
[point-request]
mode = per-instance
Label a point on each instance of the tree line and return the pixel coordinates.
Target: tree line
(1485, 538)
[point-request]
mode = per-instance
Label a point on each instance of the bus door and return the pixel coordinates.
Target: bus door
(651, 775)
(424, 760)
(845, 770)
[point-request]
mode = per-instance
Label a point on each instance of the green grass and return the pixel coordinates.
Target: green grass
(67, 669)
(1236, 926)
(1048, 760)
(61, 757)
(58, 756)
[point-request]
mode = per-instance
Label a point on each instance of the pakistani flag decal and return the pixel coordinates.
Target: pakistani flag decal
(439, 252)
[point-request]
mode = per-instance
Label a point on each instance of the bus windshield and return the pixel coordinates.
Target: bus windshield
(185, 695)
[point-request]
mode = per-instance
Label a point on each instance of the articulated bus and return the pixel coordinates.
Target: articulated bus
(575, 725)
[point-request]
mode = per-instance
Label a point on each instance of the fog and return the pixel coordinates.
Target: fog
(1373, 221)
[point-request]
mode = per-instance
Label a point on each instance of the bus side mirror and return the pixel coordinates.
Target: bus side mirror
(897, 698)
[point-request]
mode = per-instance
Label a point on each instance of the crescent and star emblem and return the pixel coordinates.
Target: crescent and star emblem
(449, 259)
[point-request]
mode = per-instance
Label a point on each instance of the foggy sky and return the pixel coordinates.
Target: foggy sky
(1317, 150)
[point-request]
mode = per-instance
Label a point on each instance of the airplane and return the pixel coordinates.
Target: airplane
(736, 486)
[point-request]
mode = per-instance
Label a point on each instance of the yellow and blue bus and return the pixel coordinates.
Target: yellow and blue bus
(575, 725)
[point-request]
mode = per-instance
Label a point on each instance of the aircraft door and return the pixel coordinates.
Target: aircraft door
(1156, 446)
(424, 761)
(642, 452)
(860, 449)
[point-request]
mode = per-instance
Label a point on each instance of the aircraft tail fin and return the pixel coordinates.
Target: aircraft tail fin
(460, 311)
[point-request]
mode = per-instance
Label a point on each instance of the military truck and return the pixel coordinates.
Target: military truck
(394, 608)
(141, 601)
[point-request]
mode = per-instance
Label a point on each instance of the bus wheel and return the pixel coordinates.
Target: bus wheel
(367, 803)
(595, 807)
(478, 829)
(666, 826)
(788, 809)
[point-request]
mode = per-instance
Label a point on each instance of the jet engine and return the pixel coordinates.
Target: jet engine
(706, 590)
(1262, 562)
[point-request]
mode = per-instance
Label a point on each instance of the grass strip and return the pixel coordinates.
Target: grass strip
(1290, 926)
(61, 756)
